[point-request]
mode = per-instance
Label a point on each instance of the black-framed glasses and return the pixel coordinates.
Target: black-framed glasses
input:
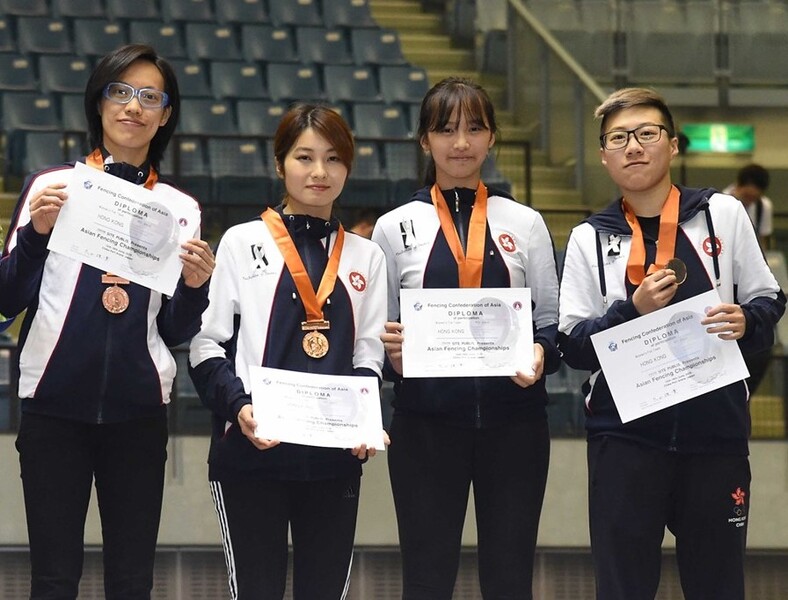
(645, 134)
(122, 93)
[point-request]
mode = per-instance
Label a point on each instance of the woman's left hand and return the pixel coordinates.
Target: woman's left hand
(198, 262)
(361, 452)
(727, 321)
(524, 380)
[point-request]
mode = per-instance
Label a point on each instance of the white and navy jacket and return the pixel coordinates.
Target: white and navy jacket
(717, 243)
(518, 252)
(254, 318)
(76, 360)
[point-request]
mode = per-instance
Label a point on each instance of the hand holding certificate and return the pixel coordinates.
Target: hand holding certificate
(331, 411)
(666, 357)
(124, 229)
(466, 332)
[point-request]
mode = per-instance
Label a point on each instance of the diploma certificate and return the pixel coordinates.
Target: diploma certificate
(666, 357)
(466, 332)
(124, 229)
(332, 411)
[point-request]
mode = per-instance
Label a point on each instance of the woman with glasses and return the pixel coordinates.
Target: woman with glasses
(684, 467)
(95, 371)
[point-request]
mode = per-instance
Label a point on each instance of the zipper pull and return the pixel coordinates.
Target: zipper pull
(456, 201)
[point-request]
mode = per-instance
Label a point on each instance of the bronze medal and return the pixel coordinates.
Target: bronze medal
(115, 299)
(315, 344)
(679, 268)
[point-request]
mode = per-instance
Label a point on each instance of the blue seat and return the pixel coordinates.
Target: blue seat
(185, 163)
(138, 10)
(206, 117)
(62, 73)
(367, 185)
(17, 73)
(380, 121)
(376, 46)
(25, 8)
(294, 81)
(29, 111)
(295, 13)
(230, 79)
(45, 149)
(187, 10)
(165, 37)
(7, 41)
(351, 83)
(241, 11)
(72, 112)
(320, 45)
(192, 78)
(259, 117)
(240, 175)
(43, 35)
(209, 41)
(348, 14)
(78, 8)
(98, 37)
(267, 42)
(403, 83)
(403, 168)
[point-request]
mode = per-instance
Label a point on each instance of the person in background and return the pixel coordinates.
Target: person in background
(752, 181)
(95, 373)
(363, 221)
(274, 276)
(449, 433)
(684, 467)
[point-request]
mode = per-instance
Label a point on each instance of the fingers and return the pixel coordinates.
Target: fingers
(392, 342)
(198, 262)
(727, 321)
(655, 291)
(45, 207)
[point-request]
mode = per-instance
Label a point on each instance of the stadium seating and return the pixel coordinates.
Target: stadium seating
(348, 14)
(97, 37)
(347, 83)
(259, 117)
(241, 11)
(63, 73)
(43, 35)
(209, 41)
(17, 73)
(320, 45)
(380, 121)
(165, 37)
(7, 42)
(77, 8)
(192, 78)
(187, 10)
(26, 8)
(267, 42)
(237, 80)
(137, 10)
(206, 117)
(403, 83)
(294, 14)
(294, 81)
(376, 46)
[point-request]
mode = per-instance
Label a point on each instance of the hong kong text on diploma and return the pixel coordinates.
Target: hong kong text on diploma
(666, 357)
(124, 229)
(466, 332)
(332, 411)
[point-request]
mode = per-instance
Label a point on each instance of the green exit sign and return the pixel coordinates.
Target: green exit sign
(719, 137)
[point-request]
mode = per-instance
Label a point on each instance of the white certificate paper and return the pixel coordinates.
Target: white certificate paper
(332, 411)
(466, 332)
(666, 357)
(124, 229)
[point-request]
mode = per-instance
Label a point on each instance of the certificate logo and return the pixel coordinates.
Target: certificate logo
(183, 222)
(612, 346)
(507, 242)
(418, 306)
(357, 281)
(87, 184)
(517, 305)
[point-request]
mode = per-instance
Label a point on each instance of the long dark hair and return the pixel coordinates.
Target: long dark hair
(108, 70)
(446, 97)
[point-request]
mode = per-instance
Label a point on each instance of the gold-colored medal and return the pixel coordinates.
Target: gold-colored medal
(315, 344)
(679, 268)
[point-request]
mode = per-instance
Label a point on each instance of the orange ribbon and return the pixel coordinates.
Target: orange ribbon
(666, 247)
(470, 263)
(96, 160)
(313, 302)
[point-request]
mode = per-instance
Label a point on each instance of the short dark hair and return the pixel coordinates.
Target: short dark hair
(325, 121)
(109, 69)
(439, 104)
(630, 98)
(753, 174)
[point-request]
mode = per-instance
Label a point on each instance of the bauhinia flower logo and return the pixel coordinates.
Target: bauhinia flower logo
(738, 496)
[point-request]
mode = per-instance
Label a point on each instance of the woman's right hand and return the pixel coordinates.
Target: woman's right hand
(392, 342)
(45, 207)
(248, 426)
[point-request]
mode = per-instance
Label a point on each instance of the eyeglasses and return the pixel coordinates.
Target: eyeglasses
(122, 93)
(645, 134)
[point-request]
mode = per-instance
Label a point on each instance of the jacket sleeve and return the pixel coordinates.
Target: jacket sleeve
(583, 311)
(756, 289)
(542, 278)
(211, 352)
(179, 317)
(368, 349)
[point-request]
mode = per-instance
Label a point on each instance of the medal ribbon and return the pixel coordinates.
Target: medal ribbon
(666, 248)
(96, 160)
(313, 302)
(469, 265)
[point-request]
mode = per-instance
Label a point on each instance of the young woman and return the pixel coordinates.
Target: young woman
(450, 432)
(260, 301)
(95, 371)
